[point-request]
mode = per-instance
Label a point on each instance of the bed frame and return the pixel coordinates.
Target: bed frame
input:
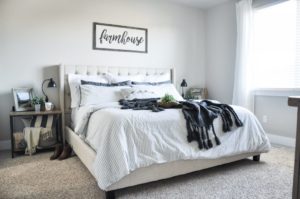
(143, 175)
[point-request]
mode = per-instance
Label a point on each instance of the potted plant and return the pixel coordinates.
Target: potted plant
(168, 101)
(37, 102)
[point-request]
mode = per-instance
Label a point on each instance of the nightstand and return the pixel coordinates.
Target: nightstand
(14, 114)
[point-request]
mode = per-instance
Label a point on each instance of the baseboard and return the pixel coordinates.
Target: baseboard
(281, 140)
(4, 145)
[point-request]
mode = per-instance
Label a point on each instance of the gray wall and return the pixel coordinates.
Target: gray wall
(35, 35)
(281, 119)
(220, 23)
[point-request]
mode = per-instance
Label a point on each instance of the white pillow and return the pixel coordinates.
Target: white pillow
(161, 90)
(94, 95)
(121, 78)
(157, 78)
(74, 83)
(138, 93)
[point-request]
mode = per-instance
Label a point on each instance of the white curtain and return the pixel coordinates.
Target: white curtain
(243, 91)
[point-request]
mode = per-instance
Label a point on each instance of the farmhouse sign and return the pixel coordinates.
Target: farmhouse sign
(119, 38)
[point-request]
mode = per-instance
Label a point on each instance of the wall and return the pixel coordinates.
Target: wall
(220, 23)
(36, 35)
(281, 119)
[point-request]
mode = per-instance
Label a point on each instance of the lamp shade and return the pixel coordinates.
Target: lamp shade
(51, 83)
(183, 83)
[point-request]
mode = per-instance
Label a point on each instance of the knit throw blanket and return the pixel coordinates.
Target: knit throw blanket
(141, 104)
(40, 128)
(199, 117)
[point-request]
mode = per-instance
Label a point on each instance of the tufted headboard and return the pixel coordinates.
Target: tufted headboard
(64, 70)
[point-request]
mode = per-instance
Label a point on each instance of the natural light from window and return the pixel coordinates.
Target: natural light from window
(274, 55)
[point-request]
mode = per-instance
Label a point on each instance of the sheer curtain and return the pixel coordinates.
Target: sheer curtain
(242, 91)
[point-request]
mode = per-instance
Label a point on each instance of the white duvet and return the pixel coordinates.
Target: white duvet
(126, 140)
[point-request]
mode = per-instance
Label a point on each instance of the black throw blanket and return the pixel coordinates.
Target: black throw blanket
(141, 104)
(199, 117)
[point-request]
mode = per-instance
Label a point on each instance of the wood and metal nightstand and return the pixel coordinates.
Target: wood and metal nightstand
(14, 114)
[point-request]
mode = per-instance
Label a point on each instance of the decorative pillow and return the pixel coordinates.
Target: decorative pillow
(121, 78)
(138, 93)
(161, 90)
(93, 95)
(74, 83)
(157, 78)
(150, 83)
(125, 83)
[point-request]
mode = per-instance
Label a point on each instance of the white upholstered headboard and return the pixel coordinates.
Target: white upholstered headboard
(64, 70)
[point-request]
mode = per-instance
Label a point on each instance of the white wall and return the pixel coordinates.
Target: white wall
(281, 118)
(220, 23)
(35, 35)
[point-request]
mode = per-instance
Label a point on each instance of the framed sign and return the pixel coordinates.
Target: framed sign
(119, 38)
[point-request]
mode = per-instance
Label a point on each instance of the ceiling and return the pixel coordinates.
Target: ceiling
(200, 3)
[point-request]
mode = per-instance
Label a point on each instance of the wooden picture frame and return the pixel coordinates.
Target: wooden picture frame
(22, 99)
(197, 93)
(120, 38)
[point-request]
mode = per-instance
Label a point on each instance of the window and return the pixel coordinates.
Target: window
(274, 48)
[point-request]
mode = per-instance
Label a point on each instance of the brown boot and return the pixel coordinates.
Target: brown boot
(58, 150)
(66, 152)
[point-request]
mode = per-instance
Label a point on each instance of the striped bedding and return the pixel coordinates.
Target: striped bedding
(126, 140)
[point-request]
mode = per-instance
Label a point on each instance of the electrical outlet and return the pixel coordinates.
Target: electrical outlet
(265, 119)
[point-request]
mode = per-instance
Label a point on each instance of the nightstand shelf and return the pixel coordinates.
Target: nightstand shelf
(14, 114)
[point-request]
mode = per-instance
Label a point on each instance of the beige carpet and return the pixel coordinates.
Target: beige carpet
(37, 177)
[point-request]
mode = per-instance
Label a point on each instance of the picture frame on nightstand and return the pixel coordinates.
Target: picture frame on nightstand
(22, 99)
(197, 93)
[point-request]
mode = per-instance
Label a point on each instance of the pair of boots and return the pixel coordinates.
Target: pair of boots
(61, 152)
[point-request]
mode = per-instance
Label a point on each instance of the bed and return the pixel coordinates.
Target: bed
(142, 174)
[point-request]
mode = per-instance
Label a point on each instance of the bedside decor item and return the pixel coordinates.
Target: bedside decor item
(22, 99)
(37, 102)
(51, 84)
(182, 85)
(197, 93)
(168, 101)
(19, 140)
(49, 106)
(119, 38)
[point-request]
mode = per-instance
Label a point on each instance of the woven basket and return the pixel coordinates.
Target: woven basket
(18, 136)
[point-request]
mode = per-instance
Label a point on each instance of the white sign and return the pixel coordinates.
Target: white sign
(119, 38)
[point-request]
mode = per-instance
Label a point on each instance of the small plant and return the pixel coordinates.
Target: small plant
(167, 99)
(37, 100)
